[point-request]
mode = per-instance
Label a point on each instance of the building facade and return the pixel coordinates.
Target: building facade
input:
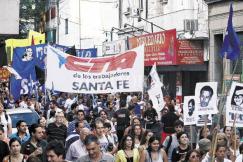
(190, 19)
(85, 24)
(220, 70)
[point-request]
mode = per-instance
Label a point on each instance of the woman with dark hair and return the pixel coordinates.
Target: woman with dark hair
(134, 121)
(137, 133)
(154, 153)
(15, 155)
(179, 153)
(228, 132)
(192, 156)
(204, 133)
(104, 117)
(127, 152)
(145, 139)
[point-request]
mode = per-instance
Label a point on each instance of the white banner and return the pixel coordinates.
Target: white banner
(234, 105)
(118, 73)
(156, 96)
(155, 77)
(155, 92)
(206, 98)
(189, 110)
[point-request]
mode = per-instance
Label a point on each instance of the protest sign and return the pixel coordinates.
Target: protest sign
(206, 98)
(189, 110)
(118, 73)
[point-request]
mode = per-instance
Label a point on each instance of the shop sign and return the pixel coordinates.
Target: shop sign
(160, 47)
(190, 52)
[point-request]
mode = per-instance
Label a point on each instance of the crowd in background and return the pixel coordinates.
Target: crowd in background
(121, 127)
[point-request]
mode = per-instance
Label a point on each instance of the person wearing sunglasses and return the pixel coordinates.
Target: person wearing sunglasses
(192, 156)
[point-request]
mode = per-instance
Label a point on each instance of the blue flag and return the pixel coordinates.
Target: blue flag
(231, 44)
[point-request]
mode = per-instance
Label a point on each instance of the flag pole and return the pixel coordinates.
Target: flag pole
(234, 127)
(231, 50)
(191, 136)
(222, 104)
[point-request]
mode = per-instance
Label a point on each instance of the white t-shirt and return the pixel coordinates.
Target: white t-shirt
(103, 143)
(23, 104)
(5, 123)
(48, 112)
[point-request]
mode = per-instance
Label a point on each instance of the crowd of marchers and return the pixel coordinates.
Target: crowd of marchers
(121, 127)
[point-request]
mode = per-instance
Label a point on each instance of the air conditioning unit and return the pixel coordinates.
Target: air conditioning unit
(190, 25)
(127, 12)
(194, 25)
(187, 25)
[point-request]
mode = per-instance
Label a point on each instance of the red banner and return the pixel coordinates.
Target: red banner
(190, 52)
(160, 47)
(4, 74)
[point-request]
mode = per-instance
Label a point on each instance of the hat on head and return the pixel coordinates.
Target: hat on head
(204, 144)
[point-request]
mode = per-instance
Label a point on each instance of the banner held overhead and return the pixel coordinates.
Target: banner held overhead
(118, 73)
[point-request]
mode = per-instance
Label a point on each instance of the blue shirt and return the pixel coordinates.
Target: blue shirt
(71, 126)
(23, 140)
(137, 110)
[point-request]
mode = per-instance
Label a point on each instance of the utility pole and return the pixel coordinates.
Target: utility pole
(58, 22)
(79, 10)
(120, 13)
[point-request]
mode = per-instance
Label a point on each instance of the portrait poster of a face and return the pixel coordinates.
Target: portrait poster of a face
(189, 110)
(206, 98)
(234, 105)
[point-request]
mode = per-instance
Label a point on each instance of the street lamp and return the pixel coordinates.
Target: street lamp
(125, 25)
(152, 24)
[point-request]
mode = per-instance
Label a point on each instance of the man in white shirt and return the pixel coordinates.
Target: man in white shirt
(77, 149)
(69, 101)
(53, 108)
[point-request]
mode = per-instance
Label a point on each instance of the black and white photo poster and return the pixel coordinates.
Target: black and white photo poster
(206, 98)
(189, 110)
(234, 105)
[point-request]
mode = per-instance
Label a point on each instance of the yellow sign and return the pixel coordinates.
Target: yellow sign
(13, 43)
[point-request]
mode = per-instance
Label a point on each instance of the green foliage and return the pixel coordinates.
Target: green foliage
(30, 11)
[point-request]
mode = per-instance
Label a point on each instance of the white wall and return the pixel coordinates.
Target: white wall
(96, 19)
(9, 19)
(172, 14)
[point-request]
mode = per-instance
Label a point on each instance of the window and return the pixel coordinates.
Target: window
(66, 26)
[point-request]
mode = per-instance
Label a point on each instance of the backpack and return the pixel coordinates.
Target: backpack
(168, 145)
